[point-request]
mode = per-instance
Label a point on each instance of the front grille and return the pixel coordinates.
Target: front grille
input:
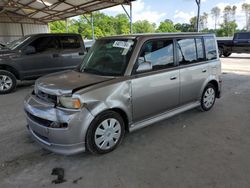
(46, 97)
(45, 122)
(39, 120)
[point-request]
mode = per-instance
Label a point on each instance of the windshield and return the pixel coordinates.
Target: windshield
(108, 57)
(14, 44)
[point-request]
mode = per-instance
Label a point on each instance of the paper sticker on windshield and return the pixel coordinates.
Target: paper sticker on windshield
(122, 44)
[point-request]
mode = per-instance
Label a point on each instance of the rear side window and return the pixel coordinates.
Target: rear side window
(210, 47)
(200, 49)
(45, 44)
(186, 49)
(159, 52)
(70, 42)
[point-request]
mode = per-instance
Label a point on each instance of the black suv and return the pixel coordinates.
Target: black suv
(35, 55)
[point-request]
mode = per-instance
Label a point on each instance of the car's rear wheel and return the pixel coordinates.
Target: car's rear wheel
(227, 54)
(220, 51)
(7, 82)
(105, 133)
(208, 97)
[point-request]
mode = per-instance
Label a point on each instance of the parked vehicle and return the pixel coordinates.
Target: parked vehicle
(124, 83)
(239, 44)
(36, 55)
(2, 45)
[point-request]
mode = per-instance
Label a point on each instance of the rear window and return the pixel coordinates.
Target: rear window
(243, 36)
(70, 42)
(210, 47)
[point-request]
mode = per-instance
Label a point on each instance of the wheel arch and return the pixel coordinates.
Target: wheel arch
(211, 80)
(10, 69)
(118, 110)
(216, 85)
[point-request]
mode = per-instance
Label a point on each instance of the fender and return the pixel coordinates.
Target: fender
(209, 79)
(113, 96)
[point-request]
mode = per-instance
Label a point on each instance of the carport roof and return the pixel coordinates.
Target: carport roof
(44, 11)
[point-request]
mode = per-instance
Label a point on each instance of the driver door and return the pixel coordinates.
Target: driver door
(155, 91)
(46, 58)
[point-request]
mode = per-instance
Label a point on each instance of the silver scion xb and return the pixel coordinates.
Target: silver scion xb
(124, 83)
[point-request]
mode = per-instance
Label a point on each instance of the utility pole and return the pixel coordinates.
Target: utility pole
(198, 2)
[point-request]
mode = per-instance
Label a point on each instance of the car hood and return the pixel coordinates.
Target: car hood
(6, 52)
(67, 82)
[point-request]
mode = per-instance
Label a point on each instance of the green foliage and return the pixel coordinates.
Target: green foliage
(105, 25)
(143, 27)
(166, 26)
(227, 29)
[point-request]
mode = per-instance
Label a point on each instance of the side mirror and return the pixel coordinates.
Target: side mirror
(144, 67)
(29, 50)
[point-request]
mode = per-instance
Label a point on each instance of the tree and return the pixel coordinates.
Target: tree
(203, 21)
(229, 13)
(193, 24)
(216, 15)
(122, 24)
(246, 9)
(166, 26)
(184, 27)
(229, 24)
(143, 26)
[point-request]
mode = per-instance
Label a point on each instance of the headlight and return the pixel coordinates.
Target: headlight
(69, 102)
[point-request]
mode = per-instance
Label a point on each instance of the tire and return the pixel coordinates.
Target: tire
(208, 98)
(227, 54)
(105, 133)
(220, 51)
(7, 82)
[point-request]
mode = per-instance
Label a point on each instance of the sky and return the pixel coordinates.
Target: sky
(178, 10)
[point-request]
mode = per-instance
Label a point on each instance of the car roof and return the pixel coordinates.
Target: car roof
(54, 34)
(149, 35)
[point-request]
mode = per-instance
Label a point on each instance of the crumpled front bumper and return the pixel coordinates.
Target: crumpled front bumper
(67, 140)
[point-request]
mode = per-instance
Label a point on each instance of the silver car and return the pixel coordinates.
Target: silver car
(124, 83)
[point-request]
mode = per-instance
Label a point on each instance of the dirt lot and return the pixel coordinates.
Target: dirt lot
(191, 150)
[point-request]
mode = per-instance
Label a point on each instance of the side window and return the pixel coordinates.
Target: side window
(70, 42)
(159, 52)
(45, 44)
(200, 49)
(186, 49)
(210, 47)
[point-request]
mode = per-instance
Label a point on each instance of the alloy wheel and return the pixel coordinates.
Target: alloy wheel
(5, 82)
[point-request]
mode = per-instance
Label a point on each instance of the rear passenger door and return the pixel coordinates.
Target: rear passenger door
(193, 68)
(155, 91)
(72, 51)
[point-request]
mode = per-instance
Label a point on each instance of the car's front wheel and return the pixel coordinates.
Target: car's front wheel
(7, 82)
(208, 97)
(105, 133)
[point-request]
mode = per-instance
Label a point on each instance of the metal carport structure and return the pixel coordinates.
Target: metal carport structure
(45, 11)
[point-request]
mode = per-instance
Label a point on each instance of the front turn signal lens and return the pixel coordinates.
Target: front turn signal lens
(68, 102)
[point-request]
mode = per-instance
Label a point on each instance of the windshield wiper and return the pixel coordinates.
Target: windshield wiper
(93, 71)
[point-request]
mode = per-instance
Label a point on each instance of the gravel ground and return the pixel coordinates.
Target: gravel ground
(193, 149)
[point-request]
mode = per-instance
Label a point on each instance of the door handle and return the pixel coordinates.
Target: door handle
(55, 55)
(204, 70)
(173, 77)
